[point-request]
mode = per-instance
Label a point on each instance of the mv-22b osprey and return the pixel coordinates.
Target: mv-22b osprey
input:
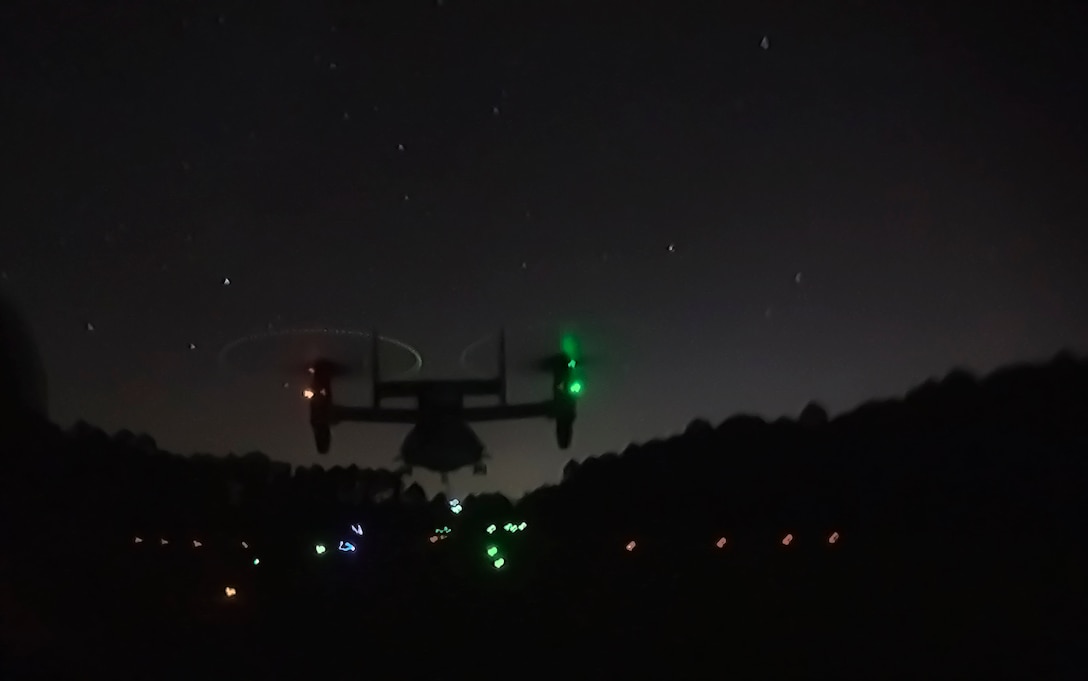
(441, 439)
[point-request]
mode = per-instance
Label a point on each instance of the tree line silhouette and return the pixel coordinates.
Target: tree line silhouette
(959, 509)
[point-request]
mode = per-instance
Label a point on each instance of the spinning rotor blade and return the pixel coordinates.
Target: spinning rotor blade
(336, 368)
(533, 349)
(544, 365)
(551, 363)
(292, 353)
(333, 368)
(569, 356)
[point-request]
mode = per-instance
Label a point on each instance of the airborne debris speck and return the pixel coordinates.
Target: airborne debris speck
(90, 326)
(672, 248)
(226, 281)
(765, 43)
(797, 278)
(192, 346)
(495, 111)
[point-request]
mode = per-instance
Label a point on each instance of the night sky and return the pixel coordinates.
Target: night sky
(739, 206)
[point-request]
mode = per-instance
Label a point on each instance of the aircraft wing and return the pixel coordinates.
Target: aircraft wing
(497, 413)
(372, 415)
(509, 411)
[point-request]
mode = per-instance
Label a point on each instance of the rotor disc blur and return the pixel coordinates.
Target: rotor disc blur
(530, 346)
(288, 352)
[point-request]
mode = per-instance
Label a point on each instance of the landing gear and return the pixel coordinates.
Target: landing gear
(479, 469)
(445, 478)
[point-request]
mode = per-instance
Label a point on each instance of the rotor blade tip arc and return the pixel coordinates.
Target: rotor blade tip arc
(291, 366)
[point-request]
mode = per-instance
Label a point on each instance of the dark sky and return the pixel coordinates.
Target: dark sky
(887, 191)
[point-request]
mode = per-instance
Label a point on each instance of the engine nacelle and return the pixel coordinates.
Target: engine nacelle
(320, 396)
(566, 387)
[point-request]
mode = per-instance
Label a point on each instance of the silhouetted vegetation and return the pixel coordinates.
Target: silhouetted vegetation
(959, 551)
